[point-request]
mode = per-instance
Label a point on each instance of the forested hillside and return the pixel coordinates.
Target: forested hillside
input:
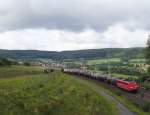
(86, 54)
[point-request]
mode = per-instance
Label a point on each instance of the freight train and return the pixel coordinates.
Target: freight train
(130, 86)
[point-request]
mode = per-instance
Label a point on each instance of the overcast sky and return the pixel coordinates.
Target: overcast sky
(58, 25)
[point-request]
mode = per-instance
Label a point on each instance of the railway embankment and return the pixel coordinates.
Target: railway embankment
(123, 110)
(127, 102)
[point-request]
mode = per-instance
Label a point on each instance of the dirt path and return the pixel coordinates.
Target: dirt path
(122, 109)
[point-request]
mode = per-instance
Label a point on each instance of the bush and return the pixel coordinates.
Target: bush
(26, 64)
(118, 93)
(15, 63)
(5, 62)
(146, 106)
(48, 70)
(149, 71)
(62, 69)
(146, 85)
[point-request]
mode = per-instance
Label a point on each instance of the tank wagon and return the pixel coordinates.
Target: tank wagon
(130, 86)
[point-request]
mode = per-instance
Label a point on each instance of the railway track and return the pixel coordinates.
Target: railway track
(121, 108)
(141, 96)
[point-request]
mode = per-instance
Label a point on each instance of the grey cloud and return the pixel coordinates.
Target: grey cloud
(74, 15)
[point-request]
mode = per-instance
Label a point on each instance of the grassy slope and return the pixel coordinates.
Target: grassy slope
(53, 94)
(121, 99)
(126, 102)
(12, 71)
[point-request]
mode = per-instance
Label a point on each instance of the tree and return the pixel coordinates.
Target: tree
(5, 62)
(26, 64)
(148, 53)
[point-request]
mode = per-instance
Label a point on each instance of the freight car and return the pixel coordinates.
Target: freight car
(130, 86)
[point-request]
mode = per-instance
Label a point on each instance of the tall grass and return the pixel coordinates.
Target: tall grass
(12, 71)
(49, 94)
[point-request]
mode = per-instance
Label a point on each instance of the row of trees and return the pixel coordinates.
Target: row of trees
(148, 53)
(5, 62)
(8, 62)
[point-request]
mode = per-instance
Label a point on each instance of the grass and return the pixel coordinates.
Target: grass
(146, 85)
(132, 77)
(12, 71)
(102, 61)
(49, 94)
(128, 104)
(120, 98)
(137, 61)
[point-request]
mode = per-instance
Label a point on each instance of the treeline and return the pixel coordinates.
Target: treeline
(9, 62)
(6, 62)
(148, 54)
(78, 54)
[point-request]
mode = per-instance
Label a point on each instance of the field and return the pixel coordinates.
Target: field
(102, 61)
(32, 92)
(12, 71)
(131, 77)
(137, 61)
(113, 60)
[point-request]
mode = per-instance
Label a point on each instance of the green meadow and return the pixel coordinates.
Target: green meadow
(29, 91)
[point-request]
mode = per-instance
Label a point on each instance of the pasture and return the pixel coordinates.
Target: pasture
(130, 77)
(102, 61)
(12, 71)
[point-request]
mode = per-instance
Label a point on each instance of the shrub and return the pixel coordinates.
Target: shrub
(146, 85)
(26, 64)
(48, 70)
(146, 106)
(5, 62)
(118, 93)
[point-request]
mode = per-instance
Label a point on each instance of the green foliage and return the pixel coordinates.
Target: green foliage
(116, 68)
(148, 54)
(125, 59)
(50, 94)
(80, 54)
(148, 51)
(13, 71)
(72, 65)
(118, 93)
(146, 85)
(5, 62)
(129, 77)
(103, 61)
(145, 106)
(26, 64)
(48, 70)
(148, 70)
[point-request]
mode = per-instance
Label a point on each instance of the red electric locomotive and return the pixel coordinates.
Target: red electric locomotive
(130, 86)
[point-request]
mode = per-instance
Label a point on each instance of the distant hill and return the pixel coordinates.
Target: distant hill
(78, 54)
